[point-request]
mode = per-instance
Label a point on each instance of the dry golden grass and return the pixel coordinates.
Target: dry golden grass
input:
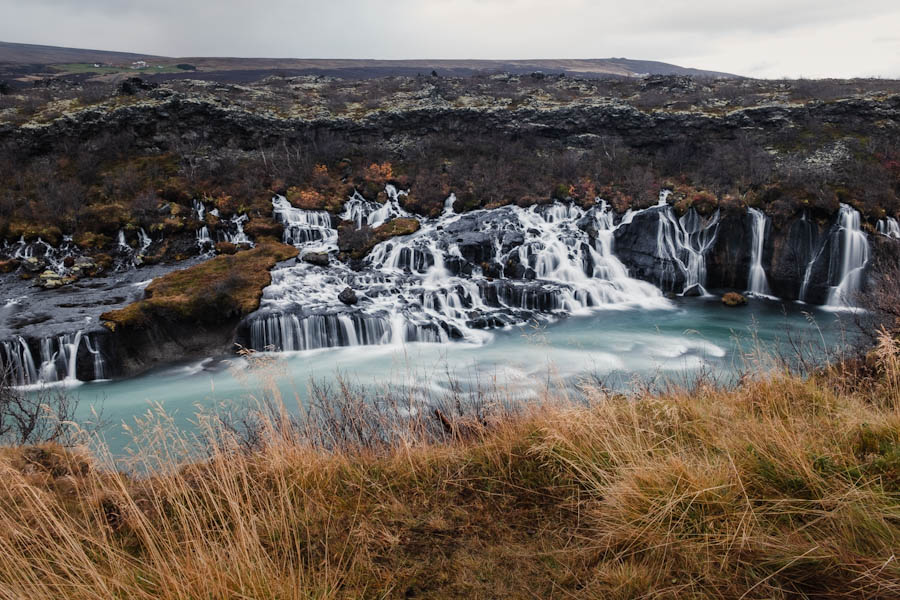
(782, 488)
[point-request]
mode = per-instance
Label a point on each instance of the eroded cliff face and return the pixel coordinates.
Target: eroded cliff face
(166, 116)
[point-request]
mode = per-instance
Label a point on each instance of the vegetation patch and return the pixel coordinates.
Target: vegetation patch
(220, 289)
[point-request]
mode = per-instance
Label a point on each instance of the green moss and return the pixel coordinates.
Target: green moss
(226, 287)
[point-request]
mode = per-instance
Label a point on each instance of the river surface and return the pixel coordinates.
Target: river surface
(692, 336)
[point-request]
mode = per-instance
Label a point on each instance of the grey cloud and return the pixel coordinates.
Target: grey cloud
(766, 37)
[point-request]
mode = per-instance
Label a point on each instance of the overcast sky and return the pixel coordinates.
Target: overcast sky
(762, 38)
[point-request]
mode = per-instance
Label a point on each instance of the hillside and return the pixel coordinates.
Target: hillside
(36, 54)
(60, 61)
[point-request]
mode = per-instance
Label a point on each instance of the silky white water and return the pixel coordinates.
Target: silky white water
(848, 260)
(757, 282)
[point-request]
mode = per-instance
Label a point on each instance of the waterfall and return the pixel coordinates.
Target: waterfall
(17, 364)
(237, 236)
(363, 212)
(430, 286)
(204, 241)
(144, 241)
(757, 283)
(198, 209)
(889, 227)
(292, 332)
(683, 244)
(58, 355)
(849, 257)
(98, 361)
(448, 205)
(304, 228)
(54, 258)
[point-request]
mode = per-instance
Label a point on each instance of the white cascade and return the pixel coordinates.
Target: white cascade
(420, 288)
(683, 244)
(849, 257)
(889, 227)
(448, 205)
(58, 359)
(304, 228)
(144, 241)
(204, 241)
(238, 236)
(365, 212)
(757, 282)
(17, 363)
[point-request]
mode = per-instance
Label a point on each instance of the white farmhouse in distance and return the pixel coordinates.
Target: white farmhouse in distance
(139, 64)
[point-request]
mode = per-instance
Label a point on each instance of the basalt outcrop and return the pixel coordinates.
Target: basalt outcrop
(165, 116)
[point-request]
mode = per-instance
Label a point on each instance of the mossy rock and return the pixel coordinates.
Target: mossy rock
(218, 290)
(733, 299)
(260, 228)
(226, 248)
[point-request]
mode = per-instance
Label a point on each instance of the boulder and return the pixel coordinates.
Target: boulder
(693, 291)
(733, 299)
(84, 266)
(33, 264)
(320, 259)
(348, 296)
(50, 280)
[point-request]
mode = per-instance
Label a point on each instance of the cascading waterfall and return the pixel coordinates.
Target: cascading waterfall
(58, 356)
(849, 257)
(204, 241)
(412, 288)
(757, 282)
(144, 241)
(17, 363)
(53, 258)
(304, 226)
(683, 244)
(364, 212)
(889, 227)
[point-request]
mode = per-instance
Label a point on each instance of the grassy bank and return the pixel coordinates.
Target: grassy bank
(784, 487)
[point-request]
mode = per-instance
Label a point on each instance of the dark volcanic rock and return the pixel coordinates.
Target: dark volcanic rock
(348, 296)
(636, 247)
(320, 259)
(728, 264)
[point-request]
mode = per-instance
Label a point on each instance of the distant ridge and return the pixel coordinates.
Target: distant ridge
(32, 54)
(47, 55)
